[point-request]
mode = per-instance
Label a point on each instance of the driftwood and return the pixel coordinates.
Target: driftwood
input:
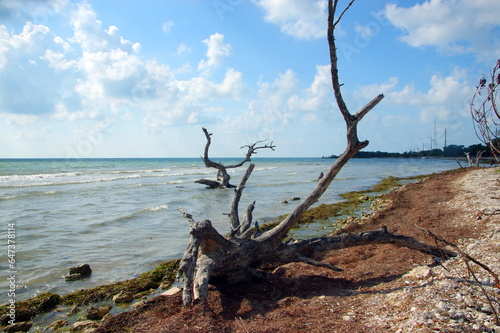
(223, 177)
(238, 256)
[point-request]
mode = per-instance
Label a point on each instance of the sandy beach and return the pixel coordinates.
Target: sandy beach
(382, 289)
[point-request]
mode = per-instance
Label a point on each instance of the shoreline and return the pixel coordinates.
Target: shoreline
(156, 276)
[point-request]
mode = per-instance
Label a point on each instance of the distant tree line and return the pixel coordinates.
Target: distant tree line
(448, 151)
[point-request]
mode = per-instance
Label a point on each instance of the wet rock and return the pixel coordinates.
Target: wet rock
(78, 272)
(85, 326)
(107, 316)
(74, 310)
(97, 313)
(295, 198)
(284, 201)
(23, 326)
(123, 297)
(58, 324)
(138, 304)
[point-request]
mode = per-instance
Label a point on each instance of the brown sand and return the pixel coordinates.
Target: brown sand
(375, 293)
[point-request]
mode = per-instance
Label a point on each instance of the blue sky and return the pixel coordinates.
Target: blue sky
(113, 78)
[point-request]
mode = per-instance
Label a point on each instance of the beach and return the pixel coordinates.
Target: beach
(120, 215)
(382, 288)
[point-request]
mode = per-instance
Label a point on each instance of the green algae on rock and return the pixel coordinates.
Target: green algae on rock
(26, 310)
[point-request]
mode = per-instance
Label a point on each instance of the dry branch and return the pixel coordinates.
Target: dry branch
(238, 256)
(223, 177)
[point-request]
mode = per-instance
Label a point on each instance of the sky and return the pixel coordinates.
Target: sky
(114, 78)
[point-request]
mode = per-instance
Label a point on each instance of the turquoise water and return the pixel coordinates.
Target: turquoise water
(120, 215)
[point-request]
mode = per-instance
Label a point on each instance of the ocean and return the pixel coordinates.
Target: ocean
(120, 215)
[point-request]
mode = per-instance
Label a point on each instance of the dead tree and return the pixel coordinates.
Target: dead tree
(486, 113)
(238, 256)
(223, 177)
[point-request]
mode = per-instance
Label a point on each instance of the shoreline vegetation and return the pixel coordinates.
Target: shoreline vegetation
(129, 294)
(448, 152)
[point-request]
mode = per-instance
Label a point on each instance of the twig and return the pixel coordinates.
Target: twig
(497, 282)
(484, 292)
(239, 321)
(470, 271)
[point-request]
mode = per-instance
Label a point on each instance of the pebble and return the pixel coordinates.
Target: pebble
(469, 301)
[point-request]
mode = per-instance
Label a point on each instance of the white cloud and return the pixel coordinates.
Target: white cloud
(216, 51)
(304, 19)
(166, 26)
(447, 98)
(91, 37)
(269, 112)
(458, 26)
(316, 98)
(183, 50)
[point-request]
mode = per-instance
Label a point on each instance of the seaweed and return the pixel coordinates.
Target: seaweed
(164, 274)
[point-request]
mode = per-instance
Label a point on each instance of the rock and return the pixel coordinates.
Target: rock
(85, 325)
(97, 313)
(487, 309)
(23, 326)
(74, 310)
(347, 318)
(138, 304)
(107, 316)
(442, 307)
(420, 273)
(469, 301)
(284, 201)
(295, 198)
(171, 291)
(123, 297)
(58, 324)
(78, 272)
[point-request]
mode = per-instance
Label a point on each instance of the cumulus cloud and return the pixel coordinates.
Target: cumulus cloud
(100, 75)
(447, 98)
(269, 112)
(304, 19)
(458, 26)
(316, 98)
(216, 51)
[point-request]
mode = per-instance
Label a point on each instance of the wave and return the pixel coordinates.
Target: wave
(157, 208)
(30, 195)
(72, 178)
(140, 171)
(130, 216)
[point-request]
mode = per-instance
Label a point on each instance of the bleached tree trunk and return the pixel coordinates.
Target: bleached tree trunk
(238, 256)
(223, 177)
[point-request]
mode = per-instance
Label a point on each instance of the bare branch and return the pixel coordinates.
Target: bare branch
(353, 144)
(485, 112)
(465, 255)
(235, 220)
(223, 177)
(343, 12)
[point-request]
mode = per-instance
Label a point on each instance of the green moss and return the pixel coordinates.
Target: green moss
(352, 201)
(165, 272)
(26, 310)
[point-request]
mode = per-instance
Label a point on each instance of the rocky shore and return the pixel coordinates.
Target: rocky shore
(382, 289)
